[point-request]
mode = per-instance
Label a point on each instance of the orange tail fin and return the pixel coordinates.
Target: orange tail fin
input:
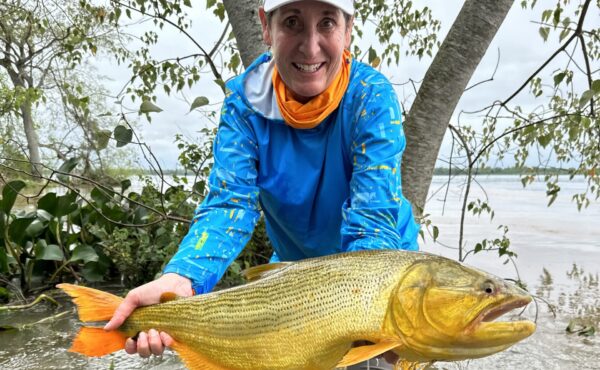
(94, 305)
(96, 342)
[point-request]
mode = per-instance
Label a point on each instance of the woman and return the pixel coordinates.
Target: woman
(312, 136)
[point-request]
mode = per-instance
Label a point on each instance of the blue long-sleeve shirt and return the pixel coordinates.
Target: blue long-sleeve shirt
(332, 188)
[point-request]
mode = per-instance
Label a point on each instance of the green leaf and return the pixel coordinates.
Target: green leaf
(3, 218)
(563, 34)
(66, 204)
(596, 86)
(199, 102)
(3, 261)
(9, 195)
(544, 32)
(67, 166)
(588, 331)
(35, 229)
(48, 203)
(51, 252)
(546, 15)
(149, 107)
(544, 140)
(585, 98)
(99, 196)
(94, 271)
(436, 233)
(102, 139)
(199, 187)
(558, 78)
(84, 253)
(123, 135)
(221, 84)
(125, 184)
(16, 229)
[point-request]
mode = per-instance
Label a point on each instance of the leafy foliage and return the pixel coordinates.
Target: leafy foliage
(394, 27)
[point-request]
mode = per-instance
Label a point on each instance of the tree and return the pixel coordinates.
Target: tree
(441, 89)
(40, 42)
(243, 16)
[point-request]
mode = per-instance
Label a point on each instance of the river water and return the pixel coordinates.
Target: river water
(559, 239)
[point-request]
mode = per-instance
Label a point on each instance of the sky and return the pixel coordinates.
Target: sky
(518, 45)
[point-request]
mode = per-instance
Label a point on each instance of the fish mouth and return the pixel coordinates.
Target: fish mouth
(493, 313)
(490, 331)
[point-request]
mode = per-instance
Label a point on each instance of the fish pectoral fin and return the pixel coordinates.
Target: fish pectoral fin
(194, 360)
(363, 353)
(169, 296)
(260, 271)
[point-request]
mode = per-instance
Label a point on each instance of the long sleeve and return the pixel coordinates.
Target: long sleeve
(376, 215)
(223, 223)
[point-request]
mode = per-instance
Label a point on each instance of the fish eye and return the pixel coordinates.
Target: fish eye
(488, 287)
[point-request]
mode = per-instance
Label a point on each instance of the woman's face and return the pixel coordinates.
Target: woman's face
(307, 39)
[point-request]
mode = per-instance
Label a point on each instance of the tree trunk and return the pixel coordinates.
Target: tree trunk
(33, 144)
(243, 16)
(443, 85)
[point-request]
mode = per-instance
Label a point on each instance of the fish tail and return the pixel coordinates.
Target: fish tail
(94, 305)
(96, 342)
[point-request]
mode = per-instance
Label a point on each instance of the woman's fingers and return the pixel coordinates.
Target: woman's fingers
(166, 339)
(143, 347)
(129, 304)
(146, 344)
(155, 342)
(130, 346)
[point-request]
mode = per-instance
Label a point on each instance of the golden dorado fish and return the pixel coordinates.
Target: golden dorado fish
(306, 315)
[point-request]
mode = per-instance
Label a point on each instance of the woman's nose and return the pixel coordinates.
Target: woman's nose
(309, 45)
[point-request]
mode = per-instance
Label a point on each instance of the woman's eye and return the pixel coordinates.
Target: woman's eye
(291, 22)
(328, 23)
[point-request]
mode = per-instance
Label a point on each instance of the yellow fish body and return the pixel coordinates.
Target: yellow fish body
(306, 315)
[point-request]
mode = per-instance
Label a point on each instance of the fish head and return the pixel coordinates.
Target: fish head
(445, 311)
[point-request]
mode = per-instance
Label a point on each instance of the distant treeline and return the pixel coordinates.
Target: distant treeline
(504, 171)
(130, 172)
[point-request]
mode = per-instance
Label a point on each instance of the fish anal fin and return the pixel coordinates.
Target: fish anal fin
(194, 360)
(410, 365)
(363, 353)
(261, 271)
(96, 342)
(92, 304)
(168, 296)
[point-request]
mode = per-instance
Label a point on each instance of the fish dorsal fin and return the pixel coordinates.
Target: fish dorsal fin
(363, 353)
(261, 271)
(194, 360)
(169, 296)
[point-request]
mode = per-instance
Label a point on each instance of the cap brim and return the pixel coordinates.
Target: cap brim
(346, 9)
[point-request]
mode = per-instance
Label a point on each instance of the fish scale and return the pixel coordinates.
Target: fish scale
(287, 316)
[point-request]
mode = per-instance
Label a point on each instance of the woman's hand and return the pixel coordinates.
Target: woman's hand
(151, 342)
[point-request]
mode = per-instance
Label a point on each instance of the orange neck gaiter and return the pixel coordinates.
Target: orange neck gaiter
(310, 114)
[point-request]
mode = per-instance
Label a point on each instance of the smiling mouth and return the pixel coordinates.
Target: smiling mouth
(308, 68)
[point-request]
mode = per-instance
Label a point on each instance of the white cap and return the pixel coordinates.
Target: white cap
(347, 6)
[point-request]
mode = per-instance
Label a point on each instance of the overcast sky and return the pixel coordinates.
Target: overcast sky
(518, 43)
